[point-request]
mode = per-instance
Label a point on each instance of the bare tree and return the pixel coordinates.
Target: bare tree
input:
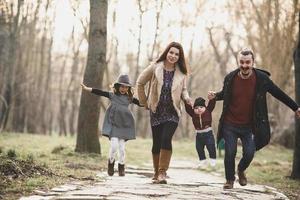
(87, 136)
(4, 35)
(10, 73)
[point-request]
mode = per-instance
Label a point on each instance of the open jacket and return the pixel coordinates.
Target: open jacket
(154, 75)
(260, 121)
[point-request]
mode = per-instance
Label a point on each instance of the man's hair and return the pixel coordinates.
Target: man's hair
(246, 51)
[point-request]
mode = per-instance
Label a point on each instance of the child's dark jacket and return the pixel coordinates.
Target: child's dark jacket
(206, 117)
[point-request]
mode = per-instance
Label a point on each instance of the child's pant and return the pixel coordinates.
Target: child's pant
(205, 139)
(115, 145)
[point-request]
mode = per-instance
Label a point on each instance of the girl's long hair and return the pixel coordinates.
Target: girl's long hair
(181, 60)
(116, 88)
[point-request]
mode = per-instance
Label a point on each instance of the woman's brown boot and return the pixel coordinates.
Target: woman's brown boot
(164, 161)
(110, 168)
(121, 169)
(155, 158)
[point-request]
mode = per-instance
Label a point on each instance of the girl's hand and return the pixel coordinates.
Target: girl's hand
(85, 87)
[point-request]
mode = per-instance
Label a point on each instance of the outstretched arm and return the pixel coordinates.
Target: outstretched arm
(276, 92)
(84, 87)
(95, 91)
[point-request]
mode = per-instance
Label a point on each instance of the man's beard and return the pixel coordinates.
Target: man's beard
(245, 69)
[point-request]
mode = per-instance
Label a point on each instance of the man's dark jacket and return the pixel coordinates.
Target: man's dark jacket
(260, 123)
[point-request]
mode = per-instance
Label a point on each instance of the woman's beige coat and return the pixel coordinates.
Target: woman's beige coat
(154, 73)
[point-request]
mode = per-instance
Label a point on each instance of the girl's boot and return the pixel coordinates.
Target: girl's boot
(121, 169)
(110, 168)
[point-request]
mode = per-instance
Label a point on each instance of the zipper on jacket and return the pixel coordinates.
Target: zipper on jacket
(200, 121)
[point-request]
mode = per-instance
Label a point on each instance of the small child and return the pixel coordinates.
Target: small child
(118, 125)
(201, 116)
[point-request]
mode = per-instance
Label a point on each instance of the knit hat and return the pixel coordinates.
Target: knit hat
(123, 79)
(199, 102)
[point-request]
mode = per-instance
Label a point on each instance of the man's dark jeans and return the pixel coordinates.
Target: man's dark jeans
(231, 134)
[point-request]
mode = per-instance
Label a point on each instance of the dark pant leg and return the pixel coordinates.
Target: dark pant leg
(156, 138)
(200, 146)
(168, 130)
(230, 138)
(248, 149)
(210, 145)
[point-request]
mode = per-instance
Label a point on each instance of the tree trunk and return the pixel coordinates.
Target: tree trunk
(296, 162)
(88, 119)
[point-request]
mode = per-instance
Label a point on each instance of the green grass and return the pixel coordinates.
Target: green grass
(271, 165)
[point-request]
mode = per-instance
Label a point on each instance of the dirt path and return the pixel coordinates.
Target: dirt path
(184, 182)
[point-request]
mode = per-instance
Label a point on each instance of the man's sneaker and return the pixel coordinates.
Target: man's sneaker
(242, 178)
(228, 185)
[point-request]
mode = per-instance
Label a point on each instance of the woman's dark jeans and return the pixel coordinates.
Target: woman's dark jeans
(231, 133)
(205, 139)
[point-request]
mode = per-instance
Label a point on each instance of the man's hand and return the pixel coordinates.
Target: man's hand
(298, 113)
(211, 95)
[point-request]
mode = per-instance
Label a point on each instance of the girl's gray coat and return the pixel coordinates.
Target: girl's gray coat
(118, 120)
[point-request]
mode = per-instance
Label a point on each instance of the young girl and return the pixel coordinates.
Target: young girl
(201, 116)
(118, 123)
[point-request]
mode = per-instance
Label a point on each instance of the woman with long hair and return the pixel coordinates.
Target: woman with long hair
(167, 87)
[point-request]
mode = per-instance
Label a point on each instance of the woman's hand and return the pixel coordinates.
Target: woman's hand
(189, 102)
(146, 106)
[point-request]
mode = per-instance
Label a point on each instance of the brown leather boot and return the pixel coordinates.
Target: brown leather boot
(110, 168)
(164, 161)
(121, 169)
(242, 178)
(155, 158)
(228, 184)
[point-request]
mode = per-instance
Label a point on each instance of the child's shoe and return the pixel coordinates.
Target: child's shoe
(202, 164)
(212, 162)
(110, 168)
(121, 169)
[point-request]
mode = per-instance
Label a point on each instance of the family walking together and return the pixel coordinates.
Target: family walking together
(244, 115)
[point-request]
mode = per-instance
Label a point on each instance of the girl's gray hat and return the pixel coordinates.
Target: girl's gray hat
(123, 79)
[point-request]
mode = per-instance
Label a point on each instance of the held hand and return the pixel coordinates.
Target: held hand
(146, 106)
(189, 102)
(211, 95)
(298, 113)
